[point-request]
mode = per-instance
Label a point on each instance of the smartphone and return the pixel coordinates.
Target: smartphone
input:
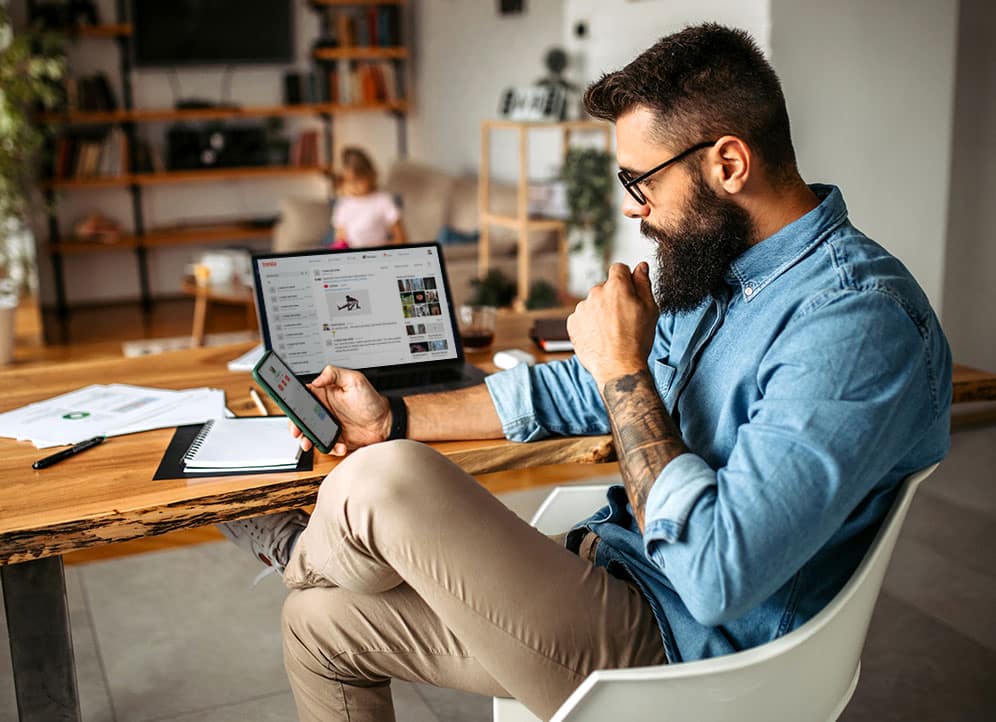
(297, 401)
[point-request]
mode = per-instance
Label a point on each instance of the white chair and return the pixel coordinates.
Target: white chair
(808, 674)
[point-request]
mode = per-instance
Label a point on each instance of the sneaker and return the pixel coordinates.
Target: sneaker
(270, 538)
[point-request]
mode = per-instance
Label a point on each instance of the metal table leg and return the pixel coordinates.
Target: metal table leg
(41, 645)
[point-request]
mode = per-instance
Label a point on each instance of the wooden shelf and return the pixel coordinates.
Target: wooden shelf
(213, 233)
(220, 174)
(75, 247)
(521, 223)
(185, 176)
(115, 30)
(154, 115)
(364, 53)
(100, 182)
(533, 224)
(192, 235)
(569, 125)
(347, 3)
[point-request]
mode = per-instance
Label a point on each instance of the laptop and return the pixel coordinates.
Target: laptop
(385, 311)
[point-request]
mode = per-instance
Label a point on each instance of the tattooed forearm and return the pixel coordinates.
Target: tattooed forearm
(645, 436)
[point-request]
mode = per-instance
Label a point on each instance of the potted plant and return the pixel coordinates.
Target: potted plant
(31, 64)
(591, 222)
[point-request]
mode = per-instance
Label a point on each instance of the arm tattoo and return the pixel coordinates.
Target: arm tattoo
(645, 436)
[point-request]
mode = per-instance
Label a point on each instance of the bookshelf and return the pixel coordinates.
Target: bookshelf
(522, 222)
(161, 115)
(333, 52)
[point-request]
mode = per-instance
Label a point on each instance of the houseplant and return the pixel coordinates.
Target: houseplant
(591, 223)
(31, 65)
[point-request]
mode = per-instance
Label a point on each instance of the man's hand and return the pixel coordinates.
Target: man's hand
(365, 415)
(613, 329)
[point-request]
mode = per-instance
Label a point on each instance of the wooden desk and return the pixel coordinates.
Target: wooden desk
(107, 495)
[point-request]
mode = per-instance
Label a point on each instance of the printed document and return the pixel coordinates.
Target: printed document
(112, 410)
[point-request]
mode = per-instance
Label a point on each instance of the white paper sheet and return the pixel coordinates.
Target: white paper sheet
(108, 409)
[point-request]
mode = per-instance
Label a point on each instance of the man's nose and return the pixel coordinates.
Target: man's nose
(632, 209)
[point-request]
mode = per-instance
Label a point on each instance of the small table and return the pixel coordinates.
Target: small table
(235, 294)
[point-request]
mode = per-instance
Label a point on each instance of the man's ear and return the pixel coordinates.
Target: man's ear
(730, 163)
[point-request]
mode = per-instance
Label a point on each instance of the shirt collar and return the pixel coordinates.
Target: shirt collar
(754, 269)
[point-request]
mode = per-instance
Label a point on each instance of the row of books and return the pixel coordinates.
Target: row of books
(306, 151)
(374, 26)
(90, 93)
(362, 83)
(90, 156)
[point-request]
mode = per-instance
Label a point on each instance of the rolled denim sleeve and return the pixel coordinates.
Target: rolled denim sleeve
(551, 399)
(843, 391)
(558, 398)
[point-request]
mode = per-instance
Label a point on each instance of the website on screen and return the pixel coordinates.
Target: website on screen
(357, 309)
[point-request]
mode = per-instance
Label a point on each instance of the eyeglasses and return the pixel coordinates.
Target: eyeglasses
(631, 184)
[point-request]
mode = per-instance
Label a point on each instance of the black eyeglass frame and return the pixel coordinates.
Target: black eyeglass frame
(630, 184)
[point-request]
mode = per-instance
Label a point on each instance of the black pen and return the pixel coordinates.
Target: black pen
(66, 453)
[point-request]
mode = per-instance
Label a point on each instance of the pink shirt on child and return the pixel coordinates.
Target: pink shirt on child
(366, 220)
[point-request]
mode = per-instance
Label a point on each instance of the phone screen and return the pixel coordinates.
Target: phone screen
(300, 403)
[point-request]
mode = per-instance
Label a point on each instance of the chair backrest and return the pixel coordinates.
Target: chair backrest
(809, 674)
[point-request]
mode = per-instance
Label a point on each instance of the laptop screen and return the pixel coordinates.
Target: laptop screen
(358, 309)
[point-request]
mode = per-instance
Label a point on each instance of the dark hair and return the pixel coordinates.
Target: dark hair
(702, 83)
(357, 160)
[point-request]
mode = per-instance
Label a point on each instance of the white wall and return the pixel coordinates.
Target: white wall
(870, 87)
(969, 289)
(619, 30)
(466, 55)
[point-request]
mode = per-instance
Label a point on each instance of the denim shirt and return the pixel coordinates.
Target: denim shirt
(805, 389)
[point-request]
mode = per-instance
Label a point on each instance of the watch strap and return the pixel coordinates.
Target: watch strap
(399, 418)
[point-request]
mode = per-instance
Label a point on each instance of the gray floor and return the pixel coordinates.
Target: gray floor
(178, 635)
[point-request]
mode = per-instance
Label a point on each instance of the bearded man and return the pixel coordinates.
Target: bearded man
(766, 394)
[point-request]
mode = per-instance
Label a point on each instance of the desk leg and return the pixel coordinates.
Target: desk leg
(41, 645)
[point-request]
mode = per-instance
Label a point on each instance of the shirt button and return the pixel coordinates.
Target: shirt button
(749, 291)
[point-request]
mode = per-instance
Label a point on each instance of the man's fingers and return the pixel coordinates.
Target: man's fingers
(330, 376)
(641, 280)
(339, 449)
(620, 271)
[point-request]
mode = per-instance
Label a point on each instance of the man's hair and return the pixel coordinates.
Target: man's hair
(702, 83)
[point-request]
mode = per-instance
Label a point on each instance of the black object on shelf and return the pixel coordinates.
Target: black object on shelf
(216, 146)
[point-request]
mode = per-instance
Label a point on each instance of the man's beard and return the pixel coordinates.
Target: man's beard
(694, 255)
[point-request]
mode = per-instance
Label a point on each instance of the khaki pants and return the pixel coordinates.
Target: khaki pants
(410, 569)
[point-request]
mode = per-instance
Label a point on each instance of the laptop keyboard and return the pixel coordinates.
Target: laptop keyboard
(414, 378)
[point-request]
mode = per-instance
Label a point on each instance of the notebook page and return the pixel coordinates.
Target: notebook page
(244, 443)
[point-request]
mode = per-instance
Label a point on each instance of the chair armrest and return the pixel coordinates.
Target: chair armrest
(567, 505)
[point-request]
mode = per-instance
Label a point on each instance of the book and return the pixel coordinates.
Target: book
(253, 443)
(550, 334)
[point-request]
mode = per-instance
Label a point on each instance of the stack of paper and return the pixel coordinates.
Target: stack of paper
(110, 410)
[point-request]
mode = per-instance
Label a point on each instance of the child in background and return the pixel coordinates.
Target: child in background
(363, 216)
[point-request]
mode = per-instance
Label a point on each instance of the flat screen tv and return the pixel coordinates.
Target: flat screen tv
(212, 32)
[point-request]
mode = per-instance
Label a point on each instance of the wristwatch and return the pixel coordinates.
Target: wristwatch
(399, 418)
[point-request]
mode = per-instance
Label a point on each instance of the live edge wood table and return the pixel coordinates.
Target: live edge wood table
(107, 495)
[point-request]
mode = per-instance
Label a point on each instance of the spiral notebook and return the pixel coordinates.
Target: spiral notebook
(254, 443)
